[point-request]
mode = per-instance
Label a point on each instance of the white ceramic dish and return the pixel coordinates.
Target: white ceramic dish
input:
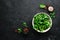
(43, 30)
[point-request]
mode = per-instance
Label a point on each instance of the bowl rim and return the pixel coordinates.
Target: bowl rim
(47, 28)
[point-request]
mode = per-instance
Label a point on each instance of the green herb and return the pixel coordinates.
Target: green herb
(24, 24)
(42, 5)
(52, 14)
(19, 30)
(41, 21)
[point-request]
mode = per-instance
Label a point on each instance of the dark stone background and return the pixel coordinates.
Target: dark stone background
(14, 12)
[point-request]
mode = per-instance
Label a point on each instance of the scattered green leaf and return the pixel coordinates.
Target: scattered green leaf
(42, 5)
(19, 30)
(52, 14)
(24, 24)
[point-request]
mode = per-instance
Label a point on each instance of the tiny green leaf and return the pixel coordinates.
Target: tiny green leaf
(42, 5)
(24, 24)
(52, 15)
(19, 30)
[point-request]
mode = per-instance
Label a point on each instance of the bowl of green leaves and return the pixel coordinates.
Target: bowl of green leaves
(42, 22)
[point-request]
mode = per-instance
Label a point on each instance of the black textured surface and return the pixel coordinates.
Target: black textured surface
(14, 12)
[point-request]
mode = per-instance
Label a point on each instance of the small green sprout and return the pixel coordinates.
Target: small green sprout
(52, 14)
(42, 5)
(19, 30)
(24, 24)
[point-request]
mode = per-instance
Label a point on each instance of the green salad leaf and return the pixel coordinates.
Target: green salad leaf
(41, 21)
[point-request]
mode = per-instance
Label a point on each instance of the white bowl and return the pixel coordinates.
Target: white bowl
(43, 30)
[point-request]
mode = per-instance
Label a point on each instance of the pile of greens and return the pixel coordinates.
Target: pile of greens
(41, 21)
